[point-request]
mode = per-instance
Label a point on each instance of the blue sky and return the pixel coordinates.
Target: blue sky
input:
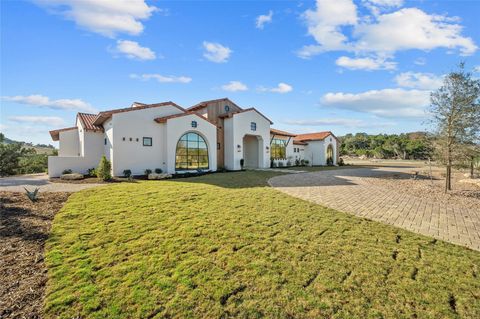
(361, 66)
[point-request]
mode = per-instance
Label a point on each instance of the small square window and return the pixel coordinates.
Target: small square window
(130, 139)
(218, 146)
(194, 124)
(137, 139)
(253, 126)
(123, 138)
(105, 141)
(147, 141)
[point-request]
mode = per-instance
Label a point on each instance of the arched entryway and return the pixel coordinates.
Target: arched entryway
(251, 151)
(330, 160)
(191, 153)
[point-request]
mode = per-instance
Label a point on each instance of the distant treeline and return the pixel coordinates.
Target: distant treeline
(388, 146)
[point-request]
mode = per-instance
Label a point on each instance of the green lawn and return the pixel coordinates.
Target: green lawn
(227, 245)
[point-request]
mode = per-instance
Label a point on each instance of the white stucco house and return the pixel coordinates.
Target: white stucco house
(207, 136)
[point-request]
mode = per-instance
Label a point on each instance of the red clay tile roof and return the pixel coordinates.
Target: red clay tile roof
(166, 118)
(278, 132)
(299, 143)
(55, 134)
(313, 136)
(203, 104)
(87, 121)
(228, 115)
(103, 116)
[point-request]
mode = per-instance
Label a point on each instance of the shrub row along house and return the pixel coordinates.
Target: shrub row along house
(209, 135)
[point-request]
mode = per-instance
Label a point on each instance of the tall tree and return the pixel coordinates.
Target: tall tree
(455, 112)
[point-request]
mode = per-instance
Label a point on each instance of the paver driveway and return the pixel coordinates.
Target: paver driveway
(346, 191)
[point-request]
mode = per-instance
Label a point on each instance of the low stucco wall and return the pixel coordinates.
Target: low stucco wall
(78, 164)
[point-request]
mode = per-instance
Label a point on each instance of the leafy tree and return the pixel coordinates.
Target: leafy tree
(10, 155)
(456, 115)
(103, 169)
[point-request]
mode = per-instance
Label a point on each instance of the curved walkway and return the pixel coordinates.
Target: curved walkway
(346, 191)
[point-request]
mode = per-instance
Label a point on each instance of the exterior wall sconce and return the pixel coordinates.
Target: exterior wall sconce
(239, 148)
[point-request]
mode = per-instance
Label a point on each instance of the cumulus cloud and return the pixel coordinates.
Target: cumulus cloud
(234, 86)
(216, 52)
(162, 78)
(263, 19)
(105, 17)
(42, 120)
(325, 26)
(388, 103)
(133, 50)
(423, 81)
(44, 101)
(280, 88)
(382, 34)
(368, 64)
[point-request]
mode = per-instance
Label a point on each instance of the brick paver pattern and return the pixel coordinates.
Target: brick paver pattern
(346, 191)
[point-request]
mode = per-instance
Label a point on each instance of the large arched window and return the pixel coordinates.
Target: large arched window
(192, 153)
(330, 154)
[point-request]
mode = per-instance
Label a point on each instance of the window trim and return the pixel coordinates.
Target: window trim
(146, 138)
(192, 154)
(253, 126)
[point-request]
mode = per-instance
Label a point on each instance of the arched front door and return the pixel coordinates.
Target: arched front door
(191, 153)
(329, 154)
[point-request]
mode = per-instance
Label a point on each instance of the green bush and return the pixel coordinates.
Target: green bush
(103, 169)
(127, 173)
(158, 170)
(67, 171)
(91, 172)
(341, 162)
(148, 171)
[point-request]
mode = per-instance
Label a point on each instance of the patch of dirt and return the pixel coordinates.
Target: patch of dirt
(463, 194)
(24, 228)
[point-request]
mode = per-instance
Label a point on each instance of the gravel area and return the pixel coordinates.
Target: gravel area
(24, 228)
(41, 181)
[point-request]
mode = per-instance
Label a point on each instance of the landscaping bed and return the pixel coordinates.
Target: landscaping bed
(227, 245)
(24, 228)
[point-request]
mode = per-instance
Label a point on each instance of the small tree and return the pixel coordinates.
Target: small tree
(456, 115)
(103, 169)
(10, 155)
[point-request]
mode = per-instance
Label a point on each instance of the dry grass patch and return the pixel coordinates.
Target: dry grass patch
(227, 245)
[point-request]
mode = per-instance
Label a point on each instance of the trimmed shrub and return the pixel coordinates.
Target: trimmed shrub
(297, 162)
(280, 164)
(91, 172)
(148, 171)
(341, 162)
(127, 173)
(158, 171)
(103, 169)
(242, 162)
(67, 171)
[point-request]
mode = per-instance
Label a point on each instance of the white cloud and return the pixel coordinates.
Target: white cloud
(423, 81)
(385, 103)
(134, 51)
(368, 64)
(325, 23)
(234, 86)
(44, 101)
(377, 6)
(337, 122)
(476, 69)
(281, 88)
(382, 34)
(105, 17)
(216, 52)
(162, 78)
(263, 19)
(412, 28)
(43, 120)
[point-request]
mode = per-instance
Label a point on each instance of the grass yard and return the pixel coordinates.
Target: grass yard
(227, 245)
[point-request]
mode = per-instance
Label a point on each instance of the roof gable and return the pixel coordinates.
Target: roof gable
(229, 115)
(87, 120)
(166, 118)
(318, 136)
(204, 104)
(103, 116)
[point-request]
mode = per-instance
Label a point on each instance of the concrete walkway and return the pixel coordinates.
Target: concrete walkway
(32, 181)
(346, 191)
